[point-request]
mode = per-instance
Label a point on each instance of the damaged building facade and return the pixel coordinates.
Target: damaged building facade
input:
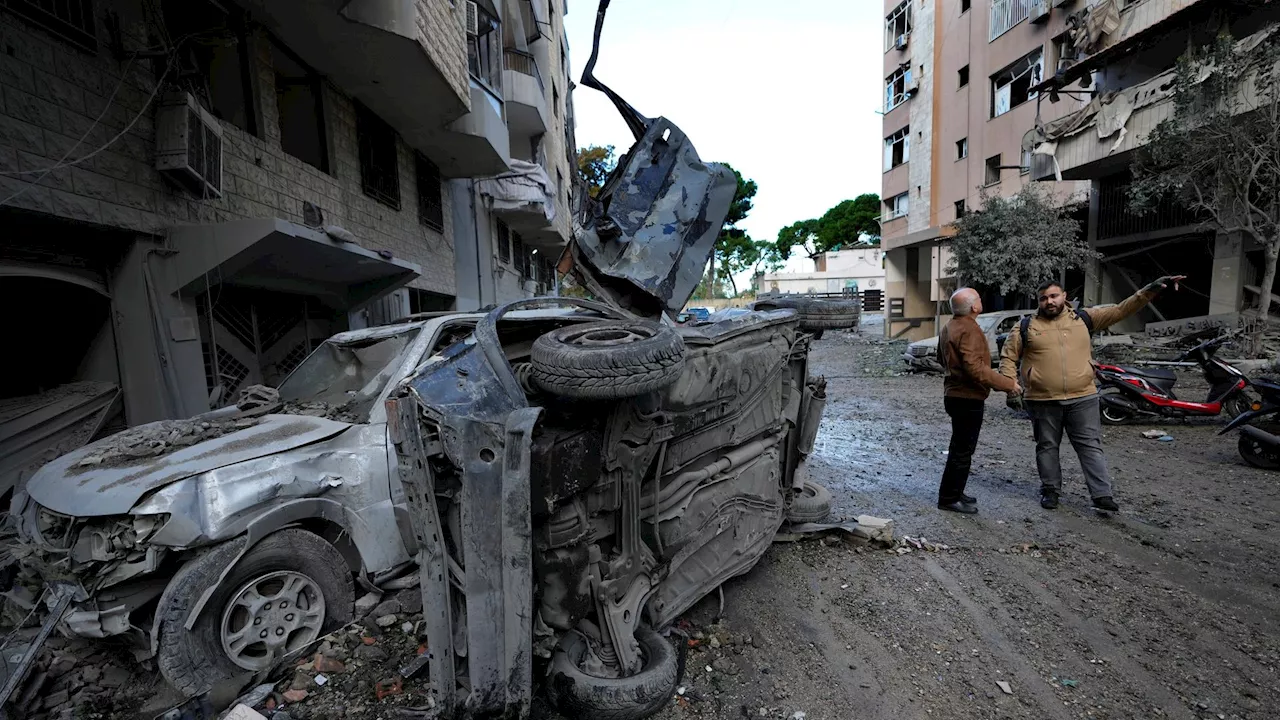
(194, 195)
(1129, 61)
(957, 102)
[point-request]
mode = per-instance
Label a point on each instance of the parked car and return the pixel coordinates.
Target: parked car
(567, 476)
(699, 314)
(923, 354)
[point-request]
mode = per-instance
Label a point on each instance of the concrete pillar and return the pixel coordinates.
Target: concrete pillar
(472, 252)
(1093, 270)
(895, 285)
(1226, 290)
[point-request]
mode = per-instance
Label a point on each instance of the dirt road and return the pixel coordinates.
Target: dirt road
(1167, 609)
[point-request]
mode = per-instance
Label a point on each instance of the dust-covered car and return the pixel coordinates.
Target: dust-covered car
(923, 354)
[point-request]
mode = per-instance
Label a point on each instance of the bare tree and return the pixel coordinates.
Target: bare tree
(1219, 152)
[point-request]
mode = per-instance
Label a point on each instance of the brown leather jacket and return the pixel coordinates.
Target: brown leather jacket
(966, 358)
(1057, 363)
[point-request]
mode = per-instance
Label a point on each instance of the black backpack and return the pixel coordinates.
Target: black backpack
(1025, 324)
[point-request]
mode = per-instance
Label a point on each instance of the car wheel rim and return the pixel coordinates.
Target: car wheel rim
(608, 337)
(271, 616)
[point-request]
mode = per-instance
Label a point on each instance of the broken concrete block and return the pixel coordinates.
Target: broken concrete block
(244, 712)
(366, 603)
(874, 528)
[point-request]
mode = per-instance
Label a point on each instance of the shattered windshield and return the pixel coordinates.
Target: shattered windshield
(988, 322)
(341, 380)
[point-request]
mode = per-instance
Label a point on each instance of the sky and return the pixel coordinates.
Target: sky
(785, 92)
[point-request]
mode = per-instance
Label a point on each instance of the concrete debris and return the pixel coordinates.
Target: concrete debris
(385, 621)
(244, 712)
(1154, 434)
(922, 543)
(157, 439)
(1004, 687)
(341, 413)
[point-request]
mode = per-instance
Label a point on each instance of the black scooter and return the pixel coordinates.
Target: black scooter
(1258, 446)
(1132, 394)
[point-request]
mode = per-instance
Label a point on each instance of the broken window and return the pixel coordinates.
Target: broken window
(71, 20)
(896, 87)
(1012, 86)
(300, 107)
(897, 148)
(503, 239)
(992, 171)
(963, 76)
(1026, 163)
(430, 192)
(351, 374)
(484, 46)
(897, 206)
(962, 148)
(960, 209)
(379, 166)
(897, 26)
(964, 6)
(213, 64)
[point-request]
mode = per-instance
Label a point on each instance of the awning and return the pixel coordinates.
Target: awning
(275, 254)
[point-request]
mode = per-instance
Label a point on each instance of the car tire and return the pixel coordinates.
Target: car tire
(811, 504)
(818, 314)
(195, 660)
(607, 360)
(580, 696)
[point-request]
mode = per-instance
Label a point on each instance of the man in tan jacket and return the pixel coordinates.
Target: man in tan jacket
(964, 355)
(1057, 372)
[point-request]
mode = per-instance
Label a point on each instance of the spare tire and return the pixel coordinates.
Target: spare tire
(817, 314)
(811, 504)
(580, 696)
(607, 360)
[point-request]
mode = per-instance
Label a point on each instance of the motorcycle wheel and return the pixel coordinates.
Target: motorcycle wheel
(1256, 455)
(1115, 415)
(1236, 405)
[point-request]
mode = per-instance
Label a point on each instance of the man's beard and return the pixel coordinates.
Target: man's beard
(1052, 310)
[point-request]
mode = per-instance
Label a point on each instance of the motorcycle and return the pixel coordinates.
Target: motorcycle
(1257, 446)
(1128, 394)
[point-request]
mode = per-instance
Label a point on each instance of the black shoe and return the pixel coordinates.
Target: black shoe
(959, 506)
(1049, 500)
(1107, 503)
(969, 499)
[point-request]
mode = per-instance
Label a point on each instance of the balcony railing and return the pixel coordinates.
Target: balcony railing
(1007, 13)
(1117, 219)
(522, 62)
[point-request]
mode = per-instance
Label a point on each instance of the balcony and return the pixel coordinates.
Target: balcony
(526, 95)
(401, 74)
(526, 200)
(476, 144)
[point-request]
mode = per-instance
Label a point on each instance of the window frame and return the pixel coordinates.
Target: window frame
(316, 81)
(961, 208)
(898, 206)
(83, 36)
(1023, 67)
(427, 212)
(367, 124)
(905, 13)
(988, 168)
(890, 94)
(962, 148)
(903, 137)
(962, 77)
(502, 238)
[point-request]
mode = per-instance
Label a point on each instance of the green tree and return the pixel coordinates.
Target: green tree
(845, 225)
(732, 239)
(1013, 244)
(595, 162)
(1219, 152)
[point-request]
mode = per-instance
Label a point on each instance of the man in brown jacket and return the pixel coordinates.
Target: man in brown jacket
(966, 358)
(1057, 371)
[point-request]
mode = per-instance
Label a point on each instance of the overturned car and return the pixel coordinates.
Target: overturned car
(567, 476)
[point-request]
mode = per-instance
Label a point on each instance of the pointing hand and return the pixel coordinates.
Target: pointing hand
(1165, 282)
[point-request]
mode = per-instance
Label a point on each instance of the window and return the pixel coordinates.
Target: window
(555, 100)
(430, 202)
(503, 239)
(70, 19)
(897, 25)
(964, 6)
(897, 206)
(1012, 86)
(1026, 163)
(484, 49)
(219, 76)
(960, 208)
(301, 109)
(1007, 13)
(520, 256)
(895, 88)
(379, 166)
(560, 185)
(964, 76)
(897, 149)
(962, 148)
(993, 171)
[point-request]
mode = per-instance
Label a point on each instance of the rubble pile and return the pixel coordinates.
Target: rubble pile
(75, 678)
(157, 439)
(342, 413)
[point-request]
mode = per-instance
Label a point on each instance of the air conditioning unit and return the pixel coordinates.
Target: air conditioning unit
(473, 18)
(1039, 11)
(911, 89)
(901, 42)
(189, 144)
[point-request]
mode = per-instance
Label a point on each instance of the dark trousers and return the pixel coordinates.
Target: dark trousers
(1082, 421)
(966, 424)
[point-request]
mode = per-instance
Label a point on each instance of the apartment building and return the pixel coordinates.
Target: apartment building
(1127, 55)
(836, 271)
(195, 193)
(958, 102)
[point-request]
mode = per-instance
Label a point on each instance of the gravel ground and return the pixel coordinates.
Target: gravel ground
(1166, 609)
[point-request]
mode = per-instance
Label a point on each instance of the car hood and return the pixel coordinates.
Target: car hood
(74, 485)
(642, 244)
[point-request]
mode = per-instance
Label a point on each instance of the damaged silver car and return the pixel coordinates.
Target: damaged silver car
(566, 476)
